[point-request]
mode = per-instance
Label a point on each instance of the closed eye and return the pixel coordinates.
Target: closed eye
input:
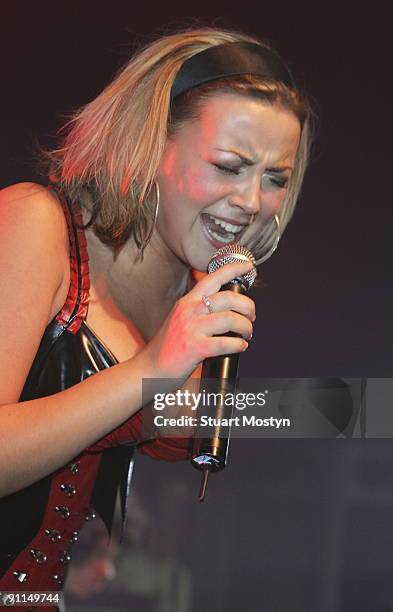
(227, 169)
(280, 182)
(277, 181)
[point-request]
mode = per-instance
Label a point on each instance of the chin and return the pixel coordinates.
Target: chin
(197, 257)
(199, 263)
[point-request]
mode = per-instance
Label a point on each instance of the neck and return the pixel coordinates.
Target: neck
(144, 289)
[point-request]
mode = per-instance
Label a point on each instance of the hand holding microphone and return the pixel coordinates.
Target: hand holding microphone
(212, 324)
(219, 375)
(191, 333)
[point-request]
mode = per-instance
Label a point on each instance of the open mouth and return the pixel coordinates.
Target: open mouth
(219, 232)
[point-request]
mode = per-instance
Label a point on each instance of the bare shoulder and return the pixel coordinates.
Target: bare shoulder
(32, 222)
(24, 199)
(33, 277)
(33, 226)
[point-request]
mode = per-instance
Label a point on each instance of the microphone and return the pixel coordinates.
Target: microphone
(219, 377)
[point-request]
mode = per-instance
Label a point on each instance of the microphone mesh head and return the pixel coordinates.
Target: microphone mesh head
(232, 254)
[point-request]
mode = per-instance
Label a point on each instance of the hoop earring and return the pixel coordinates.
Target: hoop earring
(275, 243)
(157, 206)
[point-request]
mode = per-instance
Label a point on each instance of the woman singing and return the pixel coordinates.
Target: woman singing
(199, 142)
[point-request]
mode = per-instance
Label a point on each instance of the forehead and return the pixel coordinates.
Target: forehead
(236, 121)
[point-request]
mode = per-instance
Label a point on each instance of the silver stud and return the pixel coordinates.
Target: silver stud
(20, 576)
(58, 578)
(63, 511)
(53, 534)
(68, 489)
(65, 557)
(74, 537)
(38, 555)
(74, 468)
(90, 515)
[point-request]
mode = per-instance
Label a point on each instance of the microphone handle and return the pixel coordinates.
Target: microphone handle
(219, 376)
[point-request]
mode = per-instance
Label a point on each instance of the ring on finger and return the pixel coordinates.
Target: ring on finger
(207, 303)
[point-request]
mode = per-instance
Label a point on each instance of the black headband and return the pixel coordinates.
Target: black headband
(230, 59)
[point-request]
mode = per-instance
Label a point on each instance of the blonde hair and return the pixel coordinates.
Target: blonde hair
(111, 148)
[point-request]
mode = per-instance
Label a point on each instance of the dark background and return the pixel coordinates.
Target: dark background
(291, 525)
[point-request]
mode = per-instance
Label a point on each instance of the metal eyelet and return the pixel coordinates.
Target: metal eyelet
(38, 555)
(53, 534)
(20, 576)
(65, 557)
(68, 489)
(90, 515)
(58, 578)
(74, 537)
(63, 511)
(74, 468)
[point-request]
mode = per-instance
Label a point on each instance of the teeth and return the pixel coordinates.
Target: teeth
(229, 238)
(234, 229)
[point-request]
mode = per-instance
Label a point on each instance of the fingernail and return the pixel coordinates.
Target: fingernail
(249, 337)
(246, 347)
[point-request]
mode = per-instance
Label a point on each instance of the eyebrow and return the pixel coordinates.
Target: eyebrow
(249, 161)
(278, 169)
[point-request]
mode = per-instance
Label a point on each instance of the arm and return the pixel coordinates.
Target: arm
(152, 443)
(164, 448)
(33, 264)
(33, 261)
(141, 427)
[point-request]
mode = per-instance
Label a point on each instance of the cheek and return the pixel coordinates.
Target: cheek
(278, 200)
(272, 204)
(201, 186)
(191, 181)
(179, 177)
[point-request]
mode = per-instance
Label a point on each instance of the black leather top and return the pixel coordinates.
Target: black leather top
(69, 352)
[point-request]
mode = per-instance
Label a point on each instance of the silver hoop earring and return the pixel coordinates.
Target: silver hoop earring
(275, 243)
(155, 215)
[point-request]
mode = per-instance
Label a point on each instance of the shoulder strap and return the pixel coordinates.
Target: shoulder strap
(75, 308)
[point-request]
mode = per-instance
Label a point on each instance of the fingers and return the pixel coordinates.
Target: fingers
(212, 283)
(223, 322)
(228, 300)
(230, 311)
(191, 333)
(223, 345)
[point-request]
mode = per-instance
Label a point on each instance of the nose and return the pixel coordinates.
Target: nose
(248, 196)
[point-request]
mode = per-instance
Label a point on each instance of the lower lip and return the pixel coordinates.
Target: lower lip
(215, 241)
